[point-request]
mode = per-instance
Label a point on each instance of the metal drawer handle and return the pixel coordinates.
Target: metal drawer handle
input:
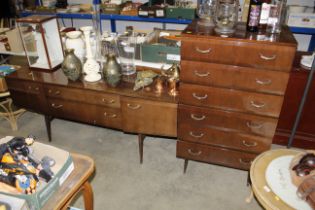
(37, 88)
(137, 106)
(110, 115)
(251, 124)
(249, 144)
(57, 92)
(245, 162)
(56, 106)
(203, 51)
(267, 58)
(194, 153)
(198, 118)
(29, 87)
(108, 102)
(263, 82)
(196, 135)
(201, 74)
(200, 97)
(257, 105)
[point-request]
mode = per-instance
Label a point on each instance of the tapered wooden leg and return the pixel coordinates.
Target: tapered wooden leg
(88, 196)
(141, 138)
(185, 165)
(48, 120)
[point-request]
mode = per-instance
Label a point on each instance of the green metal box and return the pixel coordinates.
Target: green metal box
(180, 13)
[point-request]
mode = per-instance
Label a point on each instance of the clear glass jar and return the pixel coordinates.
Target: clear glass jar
(206, 12)
(226, 16)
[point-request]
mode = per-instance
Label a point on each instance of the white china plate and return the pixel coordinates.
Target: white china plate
(279, 180)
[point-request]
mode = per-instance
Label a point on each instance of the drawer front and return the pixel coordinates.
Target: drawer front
(223, 137)
(254, 55)
(216, 155)
(149, 117)
(228, 76)
(238, 122)
(83, 96)
(91, 114)
(23, 86)
(229, 99)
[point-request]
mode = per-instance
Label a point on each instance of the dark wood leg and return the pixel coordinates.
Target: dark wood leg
(185, 165)
(141, 138)
(249, 183)
(48, 120)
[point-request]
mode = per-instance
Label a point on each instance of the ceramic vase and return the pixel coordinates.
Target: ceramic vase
(71, 65)
(112, 71)
(74, 41)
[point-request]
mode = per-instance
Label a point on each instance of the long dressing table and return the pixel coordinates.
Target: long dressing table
(51, 94)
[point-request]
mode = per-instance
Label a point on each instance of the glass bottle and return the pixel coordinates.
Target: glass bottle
(264, 15)
(276, 16)
(253, 15)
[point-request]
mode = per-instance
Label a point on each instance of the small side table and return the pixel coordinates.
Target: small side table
(7, 111)
(77, 181)
(268, 199)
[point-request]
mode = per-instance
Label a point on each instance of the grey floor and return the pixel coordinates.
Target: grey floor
(121, 183)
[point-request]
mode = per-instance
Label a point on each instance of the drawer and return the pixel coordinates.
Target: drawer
(149, 117)
(228, 76)
(238, 122)
(256, 55)
(24, 86)
(230, 99)
(223, 137)
(108, 117)
(86, 96)
(216, 155)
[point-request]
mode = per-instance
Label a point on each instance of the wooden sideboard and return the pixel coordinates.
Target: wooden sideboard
(231, 94)
(142, 112)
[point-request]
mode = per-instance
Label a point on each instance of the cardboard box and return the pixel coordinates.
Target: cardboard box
(160, 50)
(181, 13)
(110, 8)
(62, 169)
(306, 20)
(145, 10)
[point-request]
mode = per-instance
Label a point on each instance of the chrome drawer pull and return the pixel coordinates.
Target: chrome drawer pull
(201, 74)
(245, 162)
(200, 97)
(57, 92)
(247, 144)
(263, 82)
(110, 115)
(196, 135)
(108, 102)
(203, 51)
(198, 118)
(56, 106)
(133, 106)
(257, 105)
(194, 153)
(254, 125)
(267, 58)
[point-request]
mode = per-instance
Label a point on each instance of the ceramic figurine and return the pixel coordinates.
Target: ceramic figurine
(71, 66)
(74, 41)
(112, 71)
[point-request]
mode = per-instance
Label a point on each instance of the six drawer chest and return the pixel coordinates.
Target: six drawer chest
(231, 93)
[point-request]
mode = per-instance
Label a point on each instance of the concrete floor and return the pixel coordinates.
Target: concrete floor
(121, 183)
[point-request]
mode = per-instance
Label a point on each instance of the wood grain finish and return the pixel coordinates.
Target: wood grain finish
(237, 53)
(237, 122)
(216, 155)
(230, 99)
(147, 117)
(236, 77)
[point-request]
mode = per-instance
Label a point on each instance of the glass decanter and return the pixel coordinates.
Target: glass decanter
(226, 16)
(205, 12)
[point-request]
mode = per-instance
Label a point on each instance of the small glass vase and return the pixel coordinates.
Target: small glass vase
(205, 12)
(71, 65)
(226, 16)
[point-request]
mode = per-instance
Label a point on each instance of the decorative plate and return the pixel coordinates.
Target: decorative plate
(278, 179)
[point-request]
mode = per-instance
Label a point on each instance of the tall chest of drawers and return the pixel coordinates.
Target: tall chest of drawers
(231, 93)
